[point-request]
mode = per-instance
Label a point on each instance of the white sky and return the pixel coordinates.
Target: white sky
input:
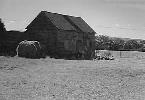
(119, 18)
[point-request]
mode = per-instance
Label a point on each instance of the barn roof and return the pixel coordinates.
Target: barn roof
(59, 21)
(81, 24)
(65, 22)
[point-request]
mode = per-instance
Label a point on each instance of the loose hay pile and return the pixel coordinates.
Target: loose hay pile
(103, 55)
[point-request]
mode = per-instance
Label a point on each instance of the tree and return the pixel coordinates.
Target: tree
(108, 43)
(116, 44)
(142, 41)
(2, 35)
(2, 26)
(102, 42)
(132, 45)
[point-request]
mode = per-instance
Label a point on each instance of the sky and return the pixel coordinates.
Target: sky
(116, 18)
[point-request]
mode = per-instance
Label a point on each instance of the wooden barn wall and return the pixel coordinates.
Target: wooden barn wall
(39, 29)
(90, 37)
(91, 45)
(66, 41)
(47, 38)
(10, 41)
(63, 42)
(43, 31)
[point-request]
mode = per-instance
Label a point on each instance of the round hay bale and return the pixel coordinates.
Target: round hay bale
(29, 49)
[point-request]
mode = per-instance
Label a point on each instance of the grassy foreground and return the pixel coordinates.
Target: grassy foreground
(58, 79)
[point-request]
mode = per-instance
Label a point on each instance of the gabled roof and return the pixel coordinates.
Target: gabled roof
(59, 21)
(81, 24)
(65, 22)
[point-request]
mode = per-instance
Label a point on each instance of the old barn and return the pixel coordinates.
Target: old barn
(62, 35)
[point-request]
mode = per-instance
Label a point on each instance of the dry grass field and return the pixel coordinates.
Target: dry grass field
(58, 79)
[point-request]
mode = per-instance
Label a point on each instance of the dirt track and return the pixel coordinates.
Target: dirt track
(58, 79)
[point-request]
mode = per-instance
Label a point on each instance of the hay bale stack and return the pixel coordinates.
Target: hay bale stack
(29, 49)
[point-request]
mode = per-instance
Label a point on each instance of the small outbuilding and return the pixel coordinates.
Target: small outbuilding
(62, 35)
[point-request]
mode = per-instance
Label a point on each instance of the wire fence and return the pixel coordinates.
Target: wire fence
(126, 54)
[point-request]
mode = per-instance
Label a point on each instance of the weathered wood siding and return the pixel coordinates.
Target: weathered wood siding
(9, 42)
(70, 42)
(44, 32)
(66, 41)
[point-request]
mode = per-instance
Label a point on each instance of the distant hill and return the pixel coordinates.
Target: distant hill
(125, 39)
